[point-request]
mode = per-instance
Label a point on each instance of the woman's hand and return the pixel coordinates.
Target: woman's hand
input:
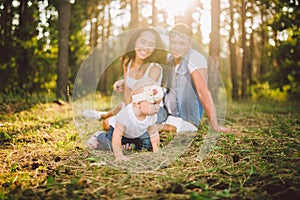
(119, 86)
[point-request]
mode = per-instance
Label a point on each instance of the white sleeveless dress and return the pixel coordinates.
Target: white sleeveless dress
(131, 81)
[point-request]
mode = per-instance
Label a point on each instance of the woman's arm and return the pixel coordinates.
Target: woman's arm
(119, 85)
(127, 93)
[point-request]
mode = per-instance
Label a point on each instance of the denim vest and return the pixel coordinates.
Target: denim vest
(189, 106)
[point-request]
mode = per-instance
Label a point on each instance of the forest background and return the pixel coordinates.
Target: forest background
(254, 44)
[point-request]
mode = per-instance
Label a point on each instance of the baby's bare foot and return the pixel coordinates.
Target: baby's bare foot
(92, 143)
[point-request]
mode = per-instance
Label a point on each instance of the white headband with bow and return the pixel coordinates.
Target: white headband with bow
(151, 94)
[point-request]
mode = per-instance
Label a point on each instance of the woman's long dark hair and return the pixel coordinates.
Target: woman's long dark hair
(159, 54)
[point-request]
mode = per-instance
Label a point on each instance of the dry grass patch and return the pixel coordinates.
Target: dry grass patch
(42, 157)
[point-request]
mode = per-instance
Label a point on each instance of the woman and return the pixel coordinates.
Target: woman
(142, 57)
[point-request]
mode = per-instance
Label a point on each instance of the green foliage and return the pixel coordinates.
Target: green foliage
(288, 70)
(29, 48)
(29, 44)
(4, 137)
(19, 96)
(263, 90)
(29, 61)
(286, 73)
(14, 167)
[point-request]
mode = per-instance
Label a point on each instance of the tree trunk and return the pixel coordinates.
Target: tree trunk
(154, 14)
(64, 12)
(214, 49)
(262, 63)
(105, 56)
(95, 34)
(6, 51)
(233, 64)
(22, 60)
(251, 58)
(244, 54)
(134, 12)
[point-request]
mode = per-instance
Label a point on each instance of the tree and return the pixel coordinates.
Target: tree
(154, 13)
(23, 61)
(233, 62)
(22, 50)
(134, 13)
(251, 46)
(25, 34)
(244, 51)
(214, 47)
(7, 46)
(64, 14)
(262, 68)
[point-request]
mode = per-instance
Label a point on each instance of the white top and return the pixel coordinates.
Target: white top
(131, 81)
(196, 61)
(134, 128)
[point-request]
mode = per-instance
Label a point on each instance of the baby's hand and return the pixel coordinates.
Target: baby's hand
(122, 158)
(92, 143)
(155, 150)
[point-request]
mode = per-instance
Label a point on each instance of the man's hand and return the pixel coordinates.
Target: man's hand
(223, 129)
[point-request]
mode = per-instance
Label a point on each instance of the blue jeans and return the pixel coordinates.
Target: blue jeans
(140, 143)
(162, 115)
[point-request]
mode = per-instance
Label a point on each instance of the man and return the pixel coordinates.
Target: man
(186, 80)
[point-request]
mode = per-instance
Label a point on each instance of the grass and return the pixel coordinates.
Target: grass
(42, 157)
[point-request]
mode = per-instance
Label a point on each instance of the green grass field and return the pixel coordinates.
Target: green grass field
(43, 157)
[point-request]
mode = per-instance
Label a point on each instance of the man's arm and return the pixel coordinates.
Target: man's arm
(199, 78)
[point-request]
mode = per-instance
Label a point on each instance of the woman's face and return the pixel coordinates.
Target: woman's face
(145, 45)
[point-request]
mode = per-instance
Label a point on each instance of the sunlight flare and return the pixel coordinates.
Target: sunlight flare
(175, 7)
